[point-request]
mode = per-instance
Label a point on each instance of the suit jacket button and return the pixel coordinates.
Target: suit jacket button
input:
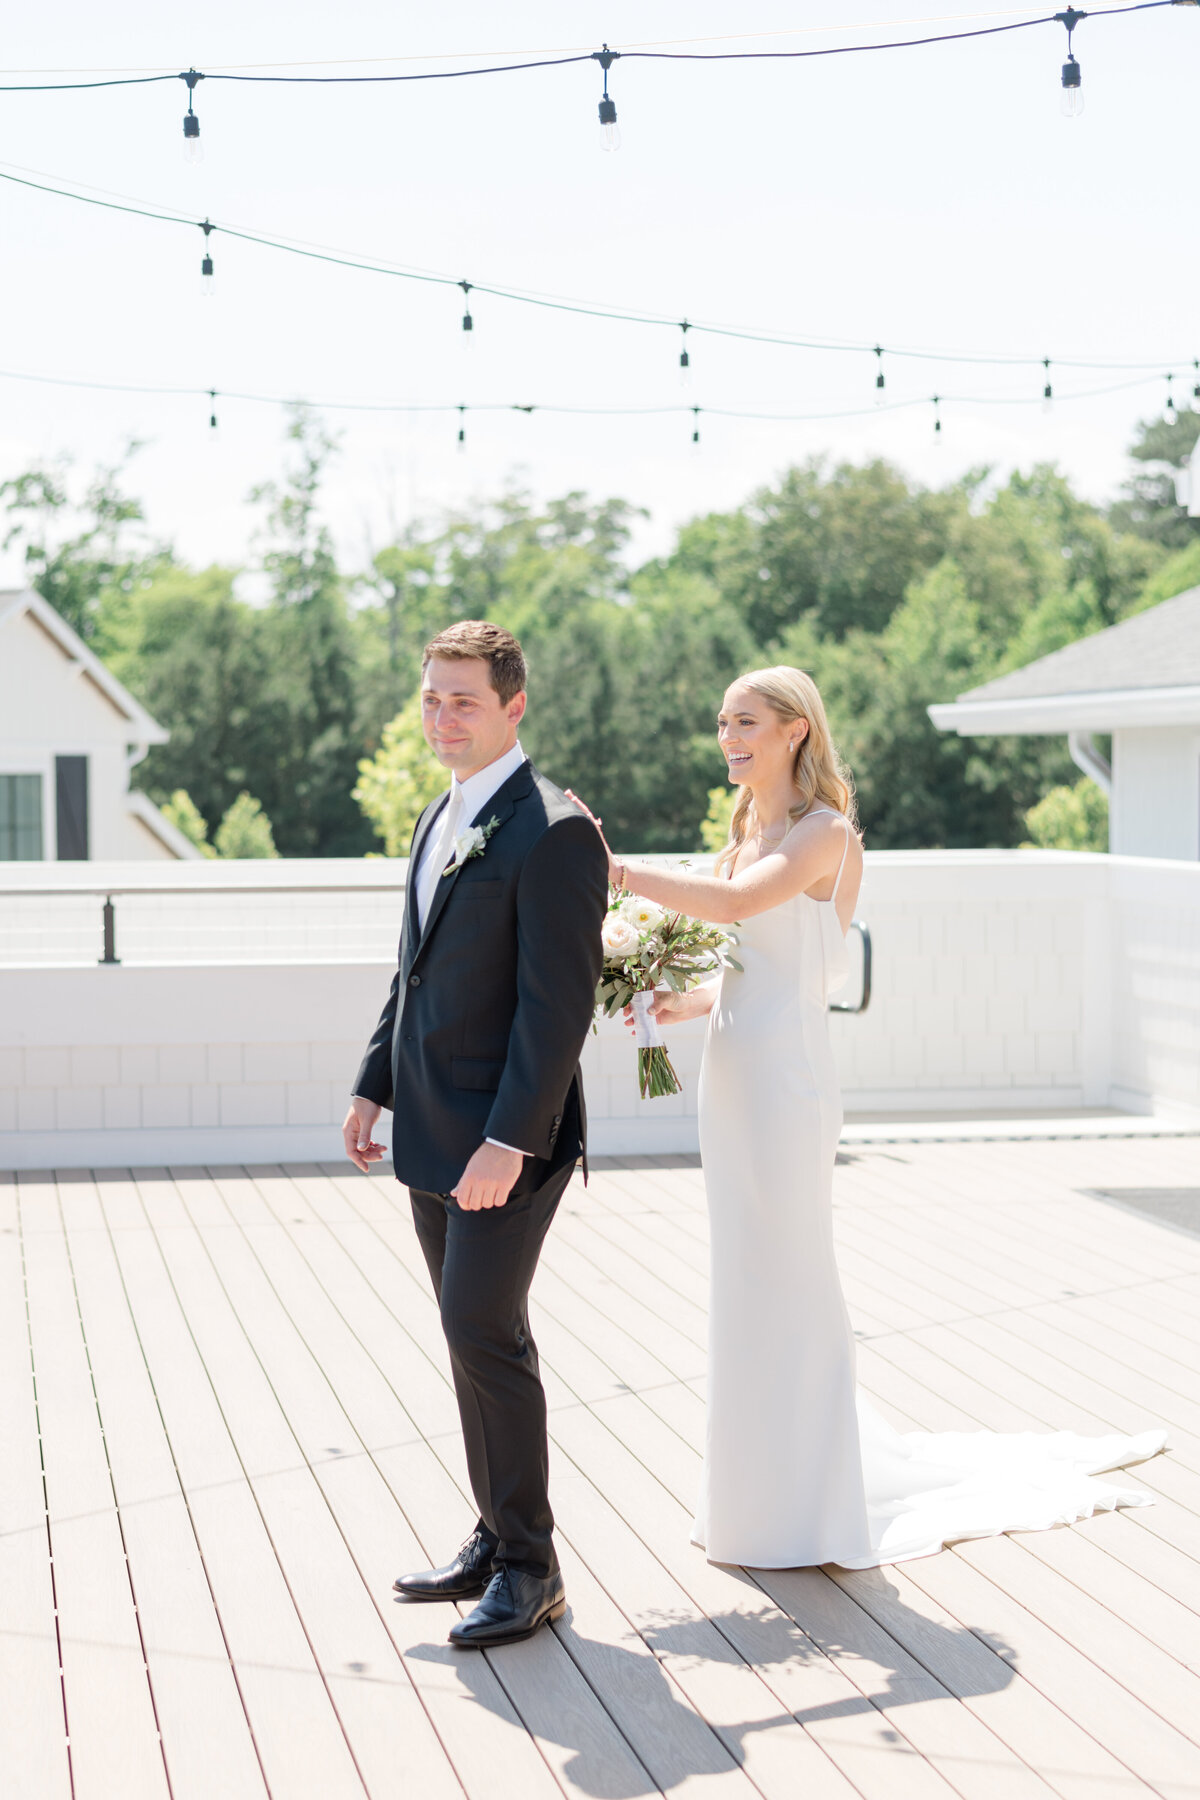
(414, 981)
(558, 1118)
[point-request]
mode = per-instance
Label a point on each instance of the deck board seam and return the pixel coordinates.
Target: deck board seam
(250, 1484)
(62, 1677)
(185, 1496)
(120, 1520)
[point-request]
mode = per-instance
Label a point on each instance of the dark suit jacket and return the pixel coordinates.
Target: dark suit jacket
(490, 1005)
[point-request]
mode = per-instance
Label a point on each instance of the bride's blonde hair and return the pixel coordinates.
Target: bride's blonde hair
(818, 772)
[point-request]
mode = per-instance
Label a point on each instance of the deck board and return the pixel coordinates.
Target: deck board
(237, 1383)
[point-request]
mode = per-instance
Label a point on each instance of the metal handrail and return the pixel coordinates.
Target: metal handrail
(864, 933)
(108, 915)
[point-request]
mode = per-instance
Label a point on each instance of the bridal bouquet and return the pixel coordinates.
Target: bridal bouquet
(645, 947)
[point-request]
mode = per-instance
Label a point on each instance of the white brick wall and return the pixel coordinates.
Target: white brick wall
(1010, 979)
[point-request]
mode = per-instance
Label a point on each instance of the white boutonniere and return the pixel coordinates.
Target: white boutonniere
(469, 843)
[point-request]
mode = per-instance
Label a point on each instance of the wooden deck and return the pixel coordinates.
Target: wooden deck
(226, 1424)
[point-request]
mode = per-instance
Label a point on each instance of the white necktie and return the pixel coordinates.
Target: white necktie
(438, 854)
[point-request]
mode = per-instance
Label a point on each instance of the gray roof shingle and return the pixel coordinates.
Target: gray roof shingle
(1159, 648)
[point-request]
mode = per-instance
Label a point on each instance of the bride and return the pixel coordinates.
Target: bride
(799, 1468)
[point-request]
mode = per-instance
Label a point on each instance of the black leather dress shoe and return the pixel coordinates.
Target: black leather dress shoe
(514, 1607)
(462, 1579)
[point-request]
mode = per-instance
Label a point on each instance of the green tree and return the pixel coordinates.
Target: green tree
(1069, 818)
(396, 784)
(182, 812)
(714, 827)
(839, 546)
(245, 831)
(1149, 505)
(307, 638)
(200, 661)
(81, 552)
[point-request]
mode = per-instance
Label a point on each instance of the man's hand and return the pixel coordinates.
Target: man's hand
(488, 1178)
(361, 1147)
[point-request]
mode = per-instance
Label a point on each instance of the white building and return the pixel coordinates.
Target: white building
(1139, 680)
(70, 735)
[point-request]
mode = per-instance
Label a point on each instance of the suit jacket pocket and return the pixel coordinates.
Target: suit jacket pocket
(476, 1072)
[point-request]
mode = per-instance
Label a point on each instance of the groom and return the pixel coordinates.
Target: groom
(477, 1054)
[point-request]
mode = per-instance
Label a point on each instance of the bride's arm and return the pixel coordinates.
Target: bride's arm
(812, 849)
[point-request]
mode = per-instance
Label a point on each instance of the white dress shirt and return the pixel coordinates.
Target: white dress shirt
(475, 792)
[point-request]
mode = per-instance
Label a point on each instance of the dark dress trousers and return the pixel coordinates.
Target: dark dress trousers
(480, 1038)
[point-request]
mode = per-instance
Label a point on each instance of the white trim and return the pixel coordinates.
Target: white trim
(1052, 714)
(14, 605)
(167, 834)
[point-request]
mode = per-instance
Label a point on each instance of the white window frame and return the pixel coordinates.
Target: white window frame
(14, 761)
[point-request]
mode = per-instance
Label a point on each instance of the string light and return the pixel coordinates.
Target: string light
(1047, 391)
(937, 419)
(1072, 75)
(462, 427)
(212, 417)
(468, 323)
(1196, 385)
(695, 427)
(1169, 413)
(880, 383)
(580, 308)
(193, 149)
(206, 266)
(610, 131)
(685, 361)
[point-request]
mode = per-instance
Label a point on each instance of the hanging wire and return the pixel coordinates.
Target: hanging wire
(578, 309)
(622, 412)
(558, 62)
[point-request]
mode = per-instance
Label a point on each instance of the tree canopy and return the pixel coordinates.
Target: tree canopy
(293, 721)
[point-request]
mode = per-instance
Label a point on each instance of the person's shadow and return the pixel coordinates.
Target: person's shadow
(643, 1687)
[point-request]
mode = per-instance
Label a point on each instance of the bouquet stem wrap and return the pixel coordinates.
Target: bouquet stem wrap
(657, 1077)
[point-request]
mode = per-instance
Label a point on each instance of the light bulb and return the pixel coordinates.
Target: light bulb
(685, 369)
(193, 149)
(207, 280)
(880, 384)
(1072, 86)
(468, 326)
(610, 131)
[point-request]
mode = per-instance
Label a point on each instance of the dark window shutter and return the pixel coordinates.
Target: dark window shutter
(71, 786)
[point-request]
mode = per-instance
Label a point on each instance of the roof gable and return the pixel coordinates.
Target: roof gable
(1158, 648)
(24, 603)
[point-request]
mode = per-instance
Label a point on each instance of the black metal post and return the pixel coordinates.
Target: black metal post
(110, 933)
(841, 1005)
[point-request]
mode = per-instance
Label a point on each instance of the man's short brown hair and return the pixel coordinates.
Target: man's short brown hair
(478, 640)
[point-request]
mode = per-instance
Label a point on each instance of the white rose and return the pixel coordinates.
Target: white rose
(642, 914)
(468, 841)
(618, 936)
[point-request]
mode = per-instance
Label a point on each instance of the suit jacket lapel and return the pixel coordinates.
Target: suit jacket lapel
(499, 807)
(412, 919)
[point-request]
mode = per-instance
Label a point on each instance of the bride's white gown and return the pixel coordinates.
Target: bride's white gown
(799, 1468)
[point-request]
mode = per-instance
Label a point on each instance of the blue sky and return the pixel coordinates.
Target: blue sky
(927, 197)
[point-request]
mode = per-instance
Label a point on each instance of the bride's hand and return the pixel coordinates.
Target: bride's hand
(589, 814)
(674, 1009)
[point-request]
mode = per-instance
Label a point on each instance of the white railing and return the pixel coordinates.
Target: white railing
(233, 1024)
